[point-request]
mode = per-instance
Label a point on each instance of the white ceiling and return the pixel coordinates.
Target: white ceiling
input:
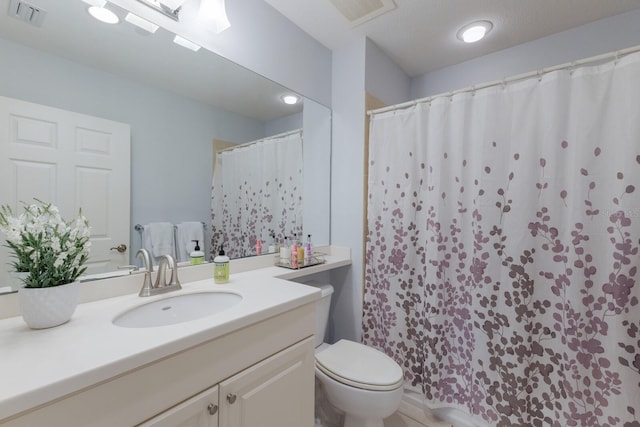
(420, 35)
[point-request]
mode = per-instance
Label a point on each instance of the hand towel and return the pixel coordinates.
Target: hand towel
(186, 233)
(162, 240)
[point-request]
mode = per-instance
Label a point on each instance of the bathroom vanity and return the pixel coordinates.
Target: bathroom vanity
(249, 365)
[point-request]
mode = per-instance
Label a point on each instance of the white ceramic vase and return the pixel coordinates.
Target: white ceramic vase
(48, 307)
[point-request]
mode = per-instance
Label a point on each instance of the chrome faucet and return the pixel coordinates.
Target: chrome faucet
(147, 286)
(161, 285)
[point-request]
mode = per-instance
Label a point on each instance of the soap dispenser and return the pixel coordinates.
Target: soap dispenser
(221, 267)
(196, 256)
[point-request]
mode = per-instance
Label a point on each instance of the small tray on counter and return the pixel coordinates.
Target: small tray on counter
(316, 259)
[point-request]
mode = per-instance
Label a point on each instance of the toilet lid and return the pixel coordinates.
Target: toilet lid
(359, 366)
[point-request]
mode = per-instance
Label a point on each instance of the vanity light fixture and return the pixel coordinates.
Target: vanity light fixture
(474, 31)
(213, 15)
(169, 8)
(104, 15)
(141, 23)
(186, 43)
(290, 99)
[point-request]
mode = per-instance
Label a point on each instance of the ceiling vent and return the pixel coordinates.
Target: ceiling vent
(26, 12)
(360, 11)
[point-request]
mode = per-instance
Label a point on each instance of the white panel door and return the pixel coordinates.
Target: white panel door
(74, 161)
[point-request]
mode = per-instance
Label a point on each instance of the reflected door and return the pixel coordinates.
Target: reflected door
(73, 161)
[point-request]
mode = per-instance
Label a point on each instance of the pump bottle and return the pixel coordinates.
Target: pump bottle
(221, 267)
(196, 256)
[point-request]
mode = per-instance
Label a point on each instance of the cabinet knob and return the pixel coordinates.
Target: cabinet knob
(231, 398)
(213, 409)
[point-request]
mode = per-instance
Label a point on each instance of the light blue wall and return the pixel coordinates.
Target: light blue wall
(347, 175)
(384, 79)
(284, 124)
(171, 136)
(316, 119)
(263, 40)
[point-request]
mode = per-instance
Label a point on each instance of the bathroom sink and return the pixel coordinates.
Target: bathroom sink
(177, 309)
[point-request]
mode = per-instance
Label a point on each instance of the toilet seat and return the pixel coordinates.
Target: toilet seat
(360, 366)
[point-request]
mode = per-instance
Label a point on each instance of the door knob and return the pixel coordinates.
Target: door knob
(120, 248)
(231, 398)
(212, 409)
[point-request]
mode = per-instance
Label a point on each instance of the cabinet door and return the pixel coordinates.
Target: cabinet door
(199, 411)
(277, 392)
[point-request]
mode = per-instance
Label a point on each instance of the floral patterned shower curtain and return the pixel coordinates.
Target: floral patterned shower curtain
(502, 248)
(257, 194)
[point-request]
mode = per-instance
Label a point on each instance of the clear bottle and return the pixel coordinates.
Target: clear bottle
(221, 267)
(285, 253)
(294, 253)
(301, 262)
(308, 251)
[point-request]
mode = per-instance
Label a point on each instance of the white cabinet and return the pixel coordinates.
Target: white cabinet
(199, 411)
(268, 366)
(276, 392)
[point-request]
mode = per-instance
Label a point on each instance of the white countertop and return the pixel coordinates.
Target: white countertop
(37, 366)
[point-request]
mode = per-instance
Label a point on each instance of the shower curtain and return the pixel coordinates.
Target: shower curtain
(257, 194)
(502, 248)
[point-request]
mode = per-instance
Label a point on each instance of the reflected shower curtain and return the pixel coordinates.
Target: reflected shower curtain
(257, 194)
(502, 248)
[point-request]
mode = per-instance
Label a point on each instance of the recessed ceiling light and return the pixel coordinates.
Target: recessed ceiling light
(475, 31)
(290, 99)
(186, 43)
(104, 15)
(141, 23)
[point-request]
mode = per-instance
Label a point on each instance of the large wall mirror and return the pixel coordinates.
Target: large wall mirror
(177, 103)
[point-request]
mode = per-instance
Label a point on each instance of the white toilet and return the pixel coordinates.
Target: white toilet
(363, 382)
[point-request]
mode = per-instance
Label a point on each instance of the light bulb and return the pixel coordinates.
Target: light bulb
(475, 31)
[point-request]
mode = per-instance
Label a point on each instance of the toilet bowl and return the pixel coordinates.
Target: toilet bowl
(360, 381)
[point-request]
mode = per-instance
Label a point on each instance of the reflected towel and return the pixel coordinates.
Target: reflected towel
(161, 238)
(186, 233)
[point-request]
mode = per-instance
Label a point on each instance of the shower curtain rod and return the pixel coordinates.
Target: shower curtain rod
(246, 144)
(594, 59)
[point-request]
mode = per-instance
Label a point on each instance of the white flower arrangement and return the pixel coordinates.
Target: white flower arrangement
(51, 250)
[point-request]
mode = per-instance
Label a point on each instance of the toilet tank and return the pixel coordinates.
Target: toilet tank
(322, 310)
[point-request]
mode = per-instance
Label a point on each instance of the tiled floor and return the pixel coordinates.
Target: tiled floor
(401, 420)
(328, 416)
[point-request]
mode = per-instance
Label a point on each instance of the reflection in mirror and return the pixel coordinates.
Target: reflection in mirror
(257, 195)
(175, 102)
